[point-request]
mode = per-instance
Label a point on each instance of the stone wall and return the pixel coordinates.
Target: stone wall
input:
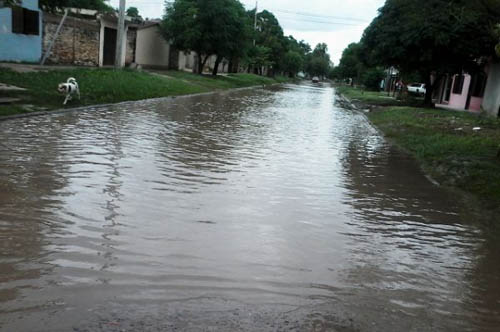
(77, 43)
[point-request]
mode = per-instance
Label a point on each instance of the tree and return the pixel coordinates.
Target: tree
(229, 30)
(292, 63)
(350, 65)
(258, 57)
(431, 37)
(318, 62)
(133, 12)
(372, 77)
(318, 66)
(270, 35)
(207, 27)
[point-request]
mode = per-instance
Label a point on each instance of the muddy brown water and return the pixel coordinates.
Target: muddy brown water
(260, 210)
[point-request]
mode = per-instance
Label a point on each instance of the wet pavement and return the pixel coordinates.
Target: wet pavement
(256, 210)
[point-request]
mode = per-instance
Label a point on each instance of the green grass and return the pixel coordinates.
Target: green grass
(376, 98)
(11, 110)
(448, 148)
(102, 86)
(222, 82)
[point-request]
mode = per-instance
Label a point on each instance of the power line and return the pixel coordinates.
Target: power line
(320, 16)
(300, 13)
(321, 22)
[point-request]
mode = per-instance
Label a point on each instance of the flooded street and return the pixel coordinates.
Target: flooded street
(255, 210)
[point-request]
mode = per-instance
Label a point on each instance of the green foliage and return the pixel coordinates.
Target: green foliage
(223, 28)
(207, 27)
(292, 63)
(430, 36)
(270, 35)
(318, 62)
(351, 65)
(259, 56)
(133, 12)
(372, 78)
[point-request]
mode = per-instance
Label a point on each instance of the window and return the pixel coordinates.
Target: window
(459, 84)
(478, 85)
(25, 21)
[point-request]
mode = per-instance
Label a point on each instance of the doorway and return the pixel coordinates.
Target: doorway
(109, 46)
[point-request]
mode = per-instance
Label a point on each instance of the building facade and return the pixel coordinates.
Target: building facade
(87, 38)
(21, 32)
(464, 91)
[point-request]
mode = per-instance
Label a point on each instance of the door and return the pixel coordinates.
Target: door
(109, 46)
(447, 91)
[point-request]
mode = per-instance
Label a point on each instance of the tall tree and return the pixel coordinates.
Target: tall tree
(318, 62)
(350, 65)
(230, 30)
(292, 62)
(270, 35)
(207, 27)
(431, 37)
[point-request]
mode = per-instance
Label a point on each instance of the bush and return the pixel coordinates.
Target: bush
(372, 77)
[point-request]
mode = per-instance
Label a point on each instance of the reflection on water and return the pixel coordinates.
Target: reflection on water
(239, 211)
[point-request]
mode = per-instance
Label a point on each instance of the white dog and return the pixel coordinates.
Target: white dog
(69, 88)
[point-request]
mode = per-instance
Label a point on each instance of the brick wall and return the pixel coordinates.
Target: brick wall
(78, 41)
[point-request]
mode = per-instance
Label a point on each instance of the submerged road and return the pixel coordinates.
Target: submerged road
(257, 210)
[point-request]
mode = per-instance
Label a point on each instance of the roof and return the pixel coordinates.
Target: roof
(149, 24)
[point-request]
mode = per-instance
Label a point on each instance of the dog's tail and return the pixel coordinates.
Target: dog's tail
(71, 80)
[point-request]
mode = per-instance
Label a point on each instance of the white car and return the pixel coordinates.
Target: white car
(315, 79)
(417, 88)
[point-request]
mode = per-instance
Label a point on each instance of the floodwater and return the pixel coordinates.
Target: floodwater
(257, 210)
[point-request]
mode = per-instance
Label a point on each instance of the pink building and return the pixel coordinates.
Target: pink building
(462, 91)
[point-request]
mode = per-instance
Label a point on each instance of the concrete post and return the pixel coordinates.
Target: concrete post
(119, 63)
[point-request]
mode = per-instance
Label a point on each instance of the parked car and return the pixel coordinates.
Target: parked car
(417, 88)
(315, 79)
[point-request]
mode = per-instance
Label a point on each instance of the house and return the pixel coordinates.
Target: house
(87, 38)
(153, 51)
(463, 91)
(21, 32)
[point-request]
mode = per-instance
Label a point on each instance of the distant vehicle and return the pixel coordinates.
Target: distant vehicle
(315, 79)
(417, 88)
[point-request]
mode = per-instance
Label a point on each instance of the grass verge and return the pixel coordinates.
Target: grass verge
(376, 98)
(102, 86)
(448, 147)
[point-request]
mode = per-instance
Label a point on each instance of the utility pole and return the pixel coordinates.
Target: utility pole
(255, 20)
(120, 38)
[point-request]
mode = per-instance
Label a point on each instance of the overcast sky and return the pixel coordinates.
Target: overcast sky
(335, 22)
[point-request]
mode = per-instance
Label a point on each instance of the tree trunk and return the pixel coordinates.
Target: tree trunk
(429, 90)
(201, 63)
(199, 69)
(216, 67)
